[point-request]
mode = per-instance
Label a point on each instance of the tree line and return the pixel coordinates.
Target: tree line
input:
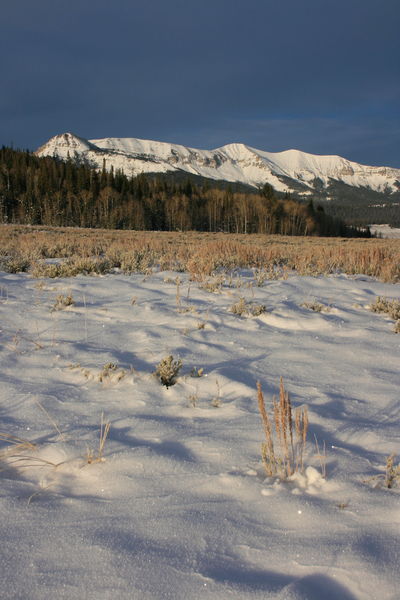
(47, 191)
(362, 215)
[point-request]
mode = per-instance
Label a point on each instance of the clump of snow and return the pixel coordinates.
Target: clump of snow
(311, 480)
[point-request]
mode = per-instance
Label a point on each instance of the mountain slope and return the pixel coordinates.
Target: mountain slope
(291, 170)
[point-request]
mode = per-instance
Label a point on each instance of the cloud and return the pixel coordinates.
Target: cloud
(323, 76)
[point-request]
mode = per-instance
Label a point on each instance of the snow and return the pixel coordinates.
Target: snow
(233, 162)
(386, 231)
(179, 506)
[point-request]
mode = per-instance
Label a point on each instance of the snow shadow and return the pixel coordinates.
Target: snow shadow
(246, 578)
(222, 570)
(315, 587)
(379, 548)
(167, 448)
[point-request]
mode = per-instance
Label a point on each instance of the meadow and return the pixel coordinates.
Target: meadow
(101, 251)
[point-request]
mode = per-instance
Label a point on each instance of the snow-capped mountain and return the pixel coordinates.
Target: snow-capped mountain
(288, 170)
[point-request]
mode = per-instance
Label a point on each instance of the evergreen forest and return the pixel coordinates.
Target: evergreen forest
(47, 191)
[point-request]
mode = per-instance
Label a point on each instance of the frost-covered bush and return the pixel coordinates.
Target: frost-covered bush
(316, 306)
(245, 309)
(72, 267)
(387, 306)
(392, 475)
(14, 264)
(168, 369)
(62, 301)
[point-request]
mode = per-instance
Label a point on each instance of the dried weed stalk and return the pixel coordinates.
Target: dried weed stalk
(97, 456)
(17, 451)
(14, 445)
(285, 435)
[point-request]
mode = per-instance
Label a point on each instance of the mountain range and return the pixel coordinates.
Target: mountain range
(287, 171)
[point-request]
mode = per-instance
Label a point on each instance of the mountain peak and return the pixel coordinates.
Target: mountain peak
(60, 144)
(289, 170)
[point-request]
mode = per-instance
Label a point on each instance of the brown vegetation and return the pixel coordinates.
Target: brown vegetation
(101, 251)
(285, 435)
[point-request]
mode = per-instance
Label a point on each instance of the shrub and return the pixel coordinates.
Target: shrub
(239, 307)
(14, 264)
(212, 285)
(107, 370)
(168, 369)
(257, 309)
(389, 307)
(244, 309)
(260, 277)
(62, 302)
(195, 372)
(316, 306)
(390, 478)
(392, 475)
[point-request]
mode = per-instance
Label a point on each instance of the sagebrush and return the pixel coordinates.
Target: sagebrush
(168, 369)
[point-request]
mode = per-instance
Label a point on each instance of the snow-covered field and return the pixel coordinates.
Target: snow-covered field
(386, 231)
(179, 507)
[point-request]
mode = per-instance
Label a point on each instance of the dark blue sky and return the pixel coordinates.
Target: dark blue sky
(322, 76)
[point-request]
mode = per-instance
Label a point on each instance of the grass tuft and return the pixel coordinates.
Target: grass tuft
(97, 456)
(285, 437)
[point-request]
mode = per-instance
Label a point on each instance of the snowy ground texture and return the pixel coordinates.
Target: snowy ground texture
(386, 231)
(180, 506)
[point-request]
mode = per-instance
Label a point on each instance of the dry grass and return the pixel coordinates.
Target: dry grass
(216, 401)
(390, 478)
(13, 446)
(200, 254)
(285, 435)
(95, 456)
(389, 307)
(19, 453)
